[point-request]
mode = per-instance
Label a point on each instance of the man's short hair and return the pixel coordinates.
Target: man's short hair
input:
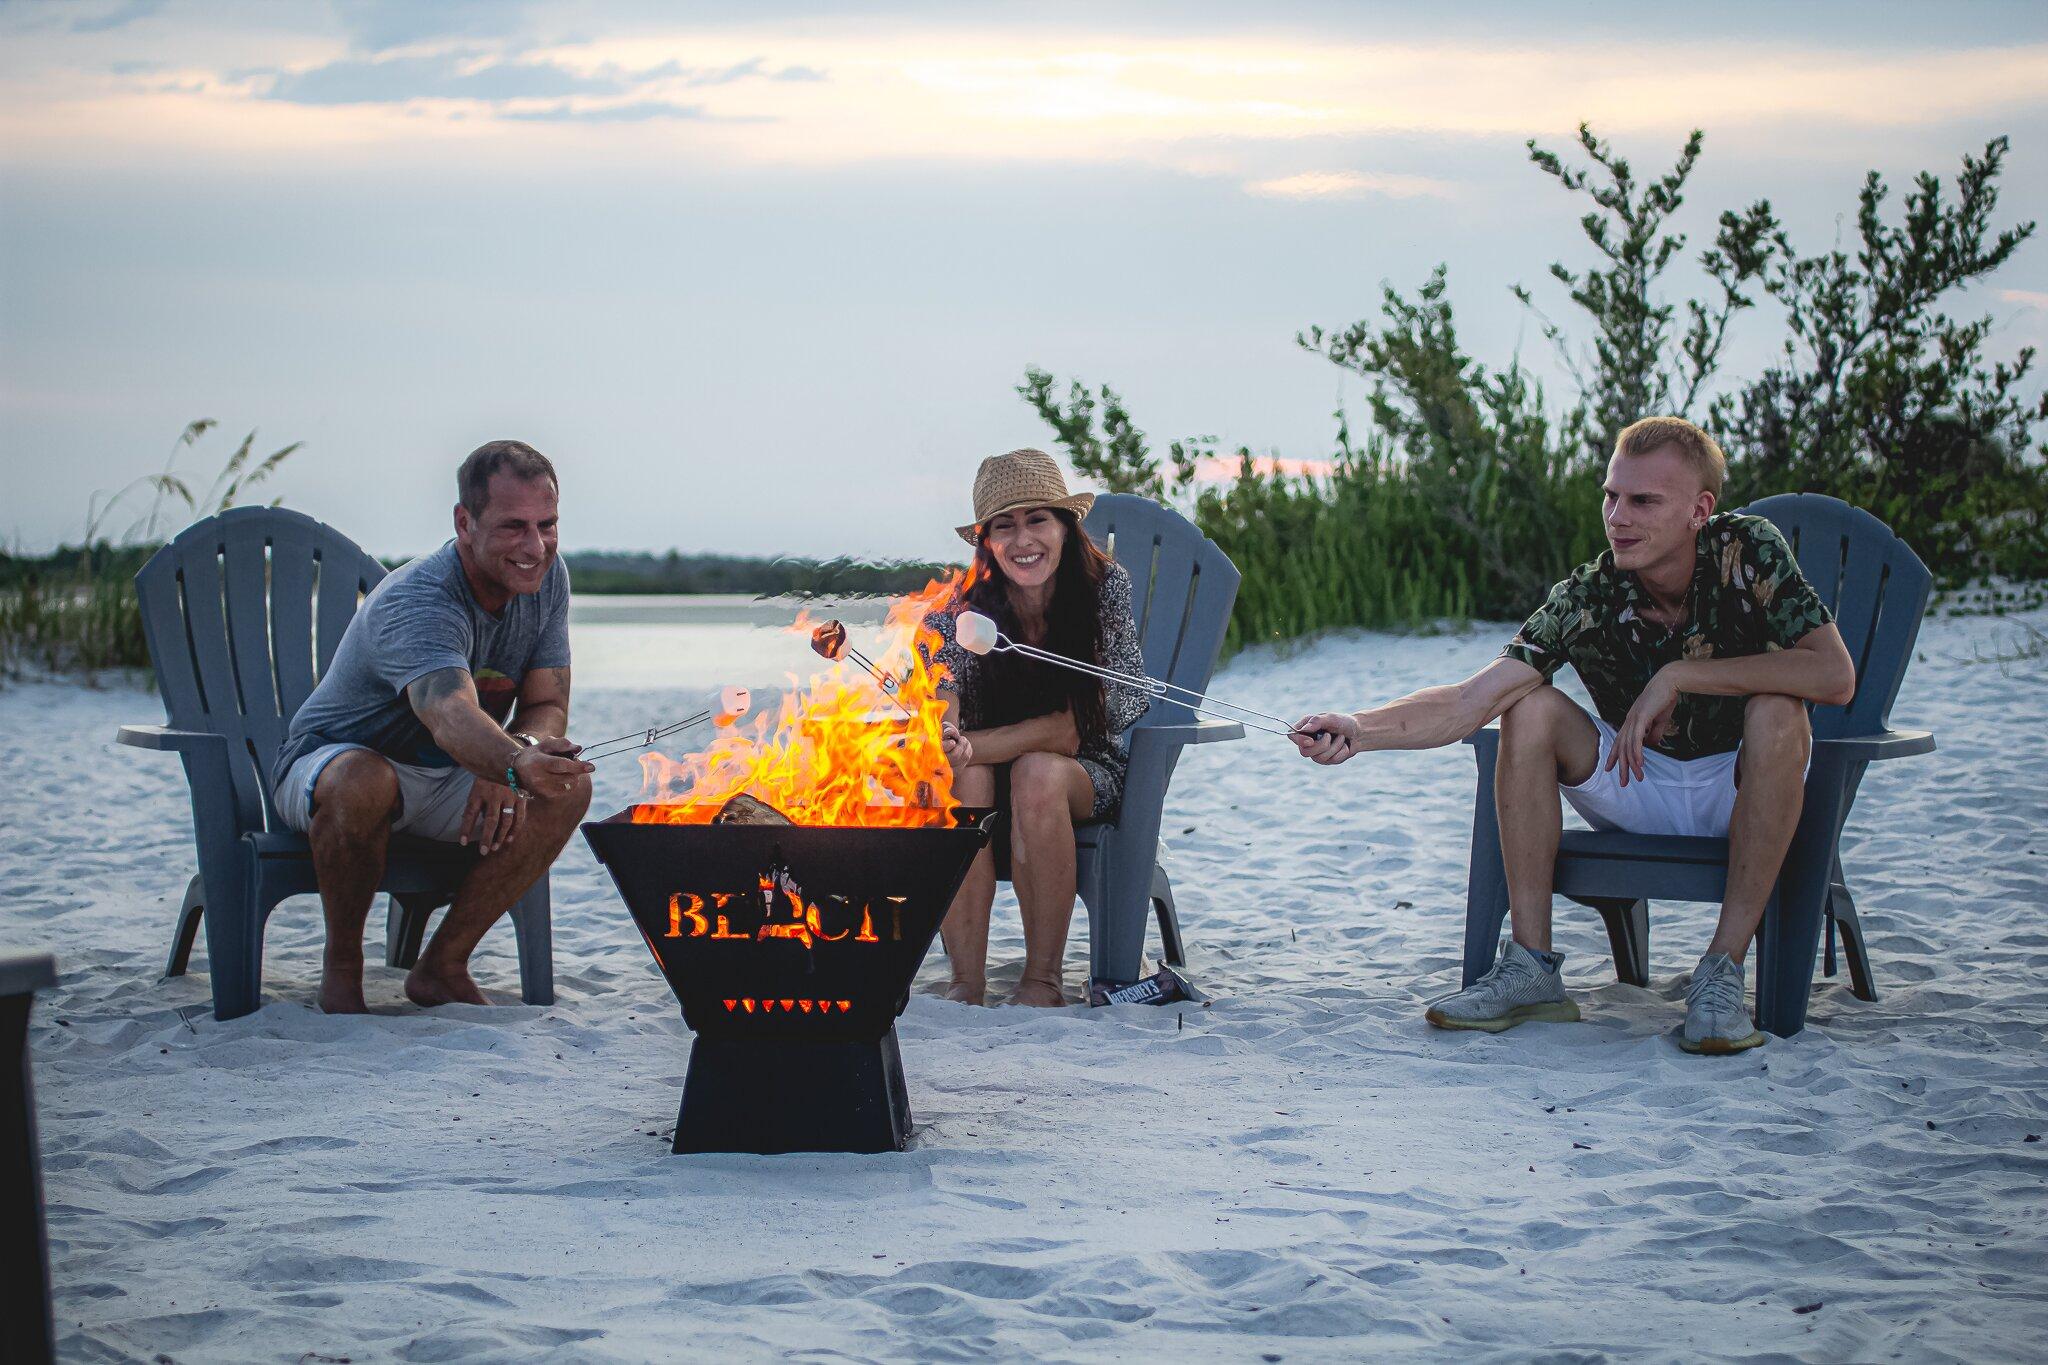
(1700, 450)
(517, 458)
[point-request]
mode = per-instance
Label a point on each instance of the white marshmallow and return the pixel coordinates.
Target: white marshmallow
(734, 702)
(975, 632)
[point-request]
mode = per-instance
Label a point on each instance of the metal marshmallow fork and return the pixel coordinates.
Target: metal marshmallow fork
(829, 640)
(733, 702)
(978, 634)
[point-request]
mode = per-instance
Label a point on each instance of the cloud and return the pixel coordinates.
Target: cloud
(380, 25)
(641, 111)
(447, 76)
(119, 17)
(752, 67)
(1349, 185)
(2025, 298)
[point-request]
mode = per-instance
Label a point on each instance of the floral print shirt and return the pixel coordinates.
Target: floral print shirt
(1105, 759)
(1748, 597)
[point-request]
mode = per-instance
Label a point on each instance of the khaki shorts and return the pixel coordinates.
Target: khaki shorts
(430, 800)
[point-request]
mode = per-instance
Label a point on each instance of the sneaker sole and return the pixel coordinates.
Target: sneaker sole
(1720, 1047)
(1560, 1012)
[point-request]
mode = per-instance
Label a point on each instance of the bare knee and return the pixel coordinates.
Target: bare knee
(1038, 788)
(1776, 726)
(563, 809)
(1536, 720)
(975, 785)
(356, 789)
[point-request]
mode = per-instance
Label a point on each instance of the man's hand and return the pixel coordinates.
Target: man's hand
(1328, 737)
(953, 742)
(494, 815)
(549, 768)
(1648, 721)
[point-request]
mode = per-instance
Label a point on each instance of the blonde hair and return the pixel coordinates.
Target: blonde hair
(1700, 450)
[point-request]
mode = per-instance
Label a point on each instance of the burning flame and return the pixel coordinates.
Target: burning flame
(838, 750)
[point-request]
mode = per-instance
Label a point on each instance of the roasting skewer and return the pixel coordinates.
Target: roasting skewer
(733, 702)
(829, 640)
(978, 634)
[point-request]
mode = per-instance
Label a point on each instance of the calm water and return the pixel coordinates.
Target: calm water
(702, 642)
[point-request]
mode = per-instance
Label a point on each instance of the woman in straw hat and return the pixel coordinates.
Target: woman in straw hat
(1043, 743)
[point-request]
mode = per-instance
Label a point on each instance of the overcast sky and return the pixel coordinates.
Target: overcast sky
(762, 277)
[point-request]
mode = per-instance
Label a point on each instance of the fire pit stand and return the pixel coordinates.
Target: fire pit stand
(791, 950)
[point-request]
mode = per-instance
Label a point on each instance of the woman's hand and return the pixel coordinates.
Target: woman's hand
(1647, 722)
(1066, 736)
(954, 744)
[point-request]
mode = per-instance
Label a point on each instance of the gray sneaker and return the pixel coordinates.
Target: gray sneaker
(1716, 1021)
(1520, 987)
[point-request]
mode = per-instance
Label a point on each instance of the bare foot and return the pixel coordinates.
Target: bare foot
(1039, 993)
(967, 992)
(446, 987)
(341, 990)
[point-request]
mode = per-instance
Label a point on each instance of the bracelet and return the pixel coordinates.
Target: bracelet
(525, 742)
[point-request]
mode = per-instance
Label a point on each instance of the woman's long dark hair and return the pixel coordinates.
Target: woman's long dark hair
(1018, 688)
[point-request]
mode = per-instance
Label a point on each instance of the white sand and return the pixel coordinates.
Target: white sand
(1303, 1171)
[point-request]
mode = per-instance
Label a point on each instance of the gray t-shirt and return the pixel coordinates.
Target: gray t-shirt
(422, 618)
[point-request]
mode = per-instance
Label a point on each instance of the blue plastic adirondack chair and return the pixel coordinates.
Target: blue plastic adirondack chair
(1877, 588)
(1182, 589)
(243, 613)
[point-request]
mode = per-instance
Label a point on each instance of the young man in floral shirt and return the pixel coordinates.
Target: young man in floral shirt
(1700, 644)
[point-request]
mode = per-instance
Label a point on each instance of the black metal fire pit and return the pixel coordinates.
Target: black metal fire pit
(791, 949)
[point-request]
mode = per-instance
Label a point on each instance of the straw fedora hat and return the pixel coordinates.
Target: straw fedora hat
(1019, 479)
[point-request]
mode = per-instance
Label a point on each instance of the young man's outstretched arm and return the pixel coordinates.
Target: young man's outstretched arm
(1428, 719)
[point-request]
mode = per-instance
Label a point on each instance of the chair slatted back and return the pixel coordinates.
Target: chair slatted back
(243, 613)
(1876, 587)
(1182, 587)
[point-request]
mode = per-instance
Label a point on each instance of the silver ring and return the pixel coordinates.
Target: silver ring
(506, 810)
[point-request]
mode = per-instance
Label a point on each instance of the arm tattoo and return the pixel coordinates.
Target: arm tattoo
(431, 689)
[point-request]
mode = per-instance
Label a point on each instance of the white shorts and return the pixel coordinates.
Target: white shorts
(1675, 796)
(430, 800)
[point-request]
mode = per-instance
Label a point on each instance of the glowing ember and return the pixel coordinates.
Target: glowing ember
(838, 750)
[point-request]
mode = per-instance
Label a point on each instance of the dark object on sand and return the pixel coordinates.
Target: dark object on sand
(1877, 589)
(791, 949)
(229, 609)
(1163, 987)
(747, 810)
(25, 1328)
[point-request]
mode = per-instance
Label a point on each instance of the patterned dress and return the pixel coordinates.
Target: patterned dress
(1748, 597)
(1104, 759)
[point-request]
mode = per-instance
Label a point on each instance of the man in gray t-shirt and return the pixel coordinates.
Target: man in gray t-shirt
(413, 727)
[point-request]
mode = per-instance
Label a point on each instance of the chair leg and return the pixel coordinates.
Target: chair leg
(533, 928)
(405, 926)
(188, 928)
(1628, 932)
(1842, 916)
(1486, 886)
(234, 956)
(1117, 892)
(1788, 940)
(1171, 951)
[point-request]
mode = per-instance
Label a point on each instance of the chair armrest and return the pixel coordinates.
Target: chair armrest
(27, 973)
(1485, 737)
(1872, 748)
(1195, 732)
(163, 737)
